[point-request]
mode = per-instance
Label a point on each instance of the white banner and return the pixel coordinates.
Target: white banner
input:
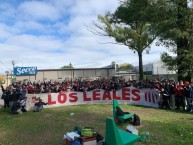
(129, 95)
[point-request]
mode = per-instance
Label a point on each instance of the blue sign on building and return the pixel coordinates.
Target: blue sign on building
(20, 71)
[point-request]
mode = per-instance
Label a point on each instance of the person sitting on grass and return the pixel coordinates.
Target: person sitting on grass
(23, 104)
(38, 106)
(16, 108)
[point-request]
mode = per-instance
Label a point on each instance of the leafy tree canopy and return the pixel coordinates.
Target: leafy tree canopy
(2, 79)
(175, 26)
(129, 25)
(125, 67)
(67, 66)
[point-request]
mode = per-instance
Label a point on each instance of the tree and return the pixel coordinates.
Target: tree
(129, 26)
(125, 67)
(67, 66)
(174, 22)
(2, 79)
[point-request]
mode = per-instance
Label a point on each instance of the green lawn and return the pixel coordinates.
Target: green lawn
(48, 127)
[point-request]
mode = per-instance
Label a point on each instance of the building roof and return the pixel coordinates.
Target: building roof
(70, 69)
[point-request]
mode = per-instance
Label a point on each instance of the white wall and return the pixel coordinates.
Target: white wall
(68, 73)
(160, 68)
(157, 68)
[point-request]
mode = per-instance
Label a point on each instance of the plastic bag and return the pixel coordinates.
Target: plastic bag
(88, 132)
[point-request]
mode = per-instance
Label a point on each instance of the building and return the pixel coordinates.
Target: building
(151, 71)
(157, 70)
(70, 74)
(128, 75)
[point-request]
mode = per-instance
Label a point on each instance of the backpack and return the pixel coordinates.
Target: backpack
(76, 143)
(99, 137)
(77, 130)
(119, 111)
(136, 120)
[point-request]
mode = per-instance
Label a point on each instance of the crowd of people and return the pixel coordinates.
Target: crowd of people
(173, 95)
(15, 99)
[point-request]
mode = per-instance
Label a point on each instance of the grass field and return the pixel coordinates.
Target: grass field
(47, 127)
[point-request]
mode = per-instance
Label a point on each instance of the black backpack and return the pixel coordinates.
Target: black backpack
(77, 130)
(100, 139)
(136, 120)
(119, 112)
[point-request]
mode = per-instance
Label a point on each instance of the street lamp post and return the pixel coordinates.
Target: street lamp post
(13, 63)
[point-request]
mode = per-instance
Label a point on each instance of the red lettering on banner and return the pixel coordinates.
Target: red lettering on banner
(50, 102)
(106, 95)
(62, 98)
(125, 93)
(85, 97)
(136, 94)
(73, 97)
(96, 95)
(115, 96)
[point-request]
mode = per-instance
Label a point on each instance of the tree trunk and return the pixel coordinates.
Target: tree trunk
(183, 68)
(140, 66)
(182, 42)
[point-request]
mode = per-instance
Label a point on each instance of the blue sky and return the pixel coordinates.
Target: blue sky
(52, 33)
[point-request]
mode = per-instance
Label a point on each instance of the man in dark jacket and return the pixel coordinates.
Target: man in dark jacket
(14, 96)
(5, 96)
(165, 99)
(15, 108)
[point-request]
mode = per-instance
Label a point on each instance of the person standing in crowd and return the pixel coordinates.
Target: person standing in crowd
(24, 91)
(165, 98)
(5, 96)
(191, 97)
(187, 95)
(14, 96)
(39, 105)
(168, 89)
(179, 92)
(172, 94)
(20, 93)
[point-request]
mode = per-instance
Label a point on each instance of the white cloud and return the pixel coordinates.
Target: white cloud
(53, 33)
(39, 10)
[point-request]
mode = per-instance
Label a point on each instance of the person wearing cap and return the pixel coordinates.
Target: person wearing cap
(14, 96)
